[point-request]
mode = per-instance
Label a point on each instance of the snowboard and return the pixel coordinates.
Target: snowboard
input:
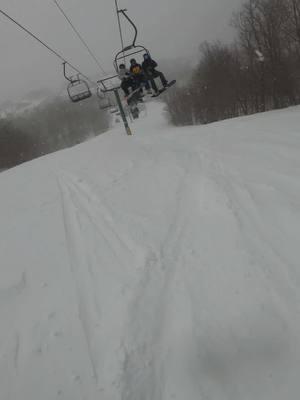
(160, 91)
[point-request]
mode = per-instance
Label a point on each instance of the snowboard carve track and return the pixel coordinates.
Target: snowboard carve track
(86, 220)
(16, 351)
(145, 362)
(166, 323)
(10, 293)
(250, 219)
(100, 217)
(78, 268)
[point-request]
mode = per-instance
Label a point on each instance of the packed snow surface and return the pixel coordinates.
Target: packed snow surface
(159, 266)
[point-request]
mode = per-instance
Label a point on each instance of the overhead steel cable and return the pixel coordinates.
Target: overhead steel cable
(46, 46)
(120, 27)
(80, 37)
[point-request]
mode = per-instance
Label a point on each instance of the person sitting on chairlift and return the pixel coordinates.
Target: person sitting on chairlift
(149, 67)
(139, 75)
(127, 80)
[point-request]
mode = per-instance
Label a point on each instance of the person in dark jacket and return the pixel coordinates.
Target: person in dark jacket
(149, 67)
(138, 74)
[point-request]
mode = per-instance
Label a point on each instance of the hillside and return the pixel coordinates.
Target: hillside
(159, 266)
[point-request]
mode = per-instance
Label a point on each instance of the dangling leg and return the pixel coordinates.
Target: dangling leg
(138, 81)
(147, 86)
(133, 84)
(145, 83)
(153, 84)
(162, 77)
(125, 87)
(136, 85)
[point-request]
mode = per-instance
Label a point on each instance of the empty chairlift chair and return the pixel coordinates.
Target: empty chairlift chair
(105, 101)
(78, 89)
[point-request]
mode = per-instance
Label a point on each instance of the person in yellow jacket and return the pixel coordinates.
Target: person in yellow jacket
(139, 75)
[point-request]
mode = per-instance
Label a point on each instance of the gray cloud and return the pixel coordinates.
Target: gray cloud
(170, 28)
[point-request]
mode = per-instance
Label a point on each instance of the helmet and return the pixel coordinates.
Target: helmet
(133, 60)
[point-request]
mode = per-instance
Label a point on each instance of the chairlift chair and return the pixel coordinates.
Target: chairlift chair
(78, 89)
(107, 85)
(104, 93)
(104, 101)
(131, 50)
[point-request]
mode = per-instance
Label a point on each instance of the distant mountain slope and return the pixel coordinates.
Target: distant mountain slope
(27, 103)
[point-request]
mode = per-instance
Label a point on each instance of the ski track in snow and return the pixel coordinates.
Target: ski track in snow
(242, 204)
(142, 365)
(83, 208)
(146, 369)
(163, 328)
(17, 350)
(86, 302)
(12, 292)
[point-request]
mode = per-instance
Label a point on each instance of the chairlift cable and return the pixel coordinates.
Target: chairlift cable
(120, 27)
(46, 46)
(80, 37)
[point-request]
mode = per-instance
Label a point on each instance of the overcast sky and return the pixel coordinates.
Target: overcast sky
(169, 28)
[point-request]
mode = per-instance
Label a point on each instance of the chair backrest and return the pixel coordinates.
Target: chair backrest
(79, 90)
(128, 52)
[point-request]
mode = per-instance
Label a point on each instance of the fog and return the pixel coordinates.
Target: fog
(169, 28)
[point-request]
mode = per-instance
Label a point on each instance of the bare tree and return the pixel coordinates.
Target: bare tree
(261, 71)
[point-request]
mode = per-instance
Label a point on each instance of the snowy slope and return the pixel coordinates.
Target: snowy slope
(153, 267)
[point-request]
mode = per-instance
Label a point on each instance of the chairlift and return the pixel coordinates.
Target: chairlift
(78, 89)
(108, 84)
(111, 85)
(105, 102)
(131, 50)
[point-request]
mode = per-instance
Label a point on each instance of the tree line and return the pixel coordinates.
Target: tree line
(52, 126)
(260, 71)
